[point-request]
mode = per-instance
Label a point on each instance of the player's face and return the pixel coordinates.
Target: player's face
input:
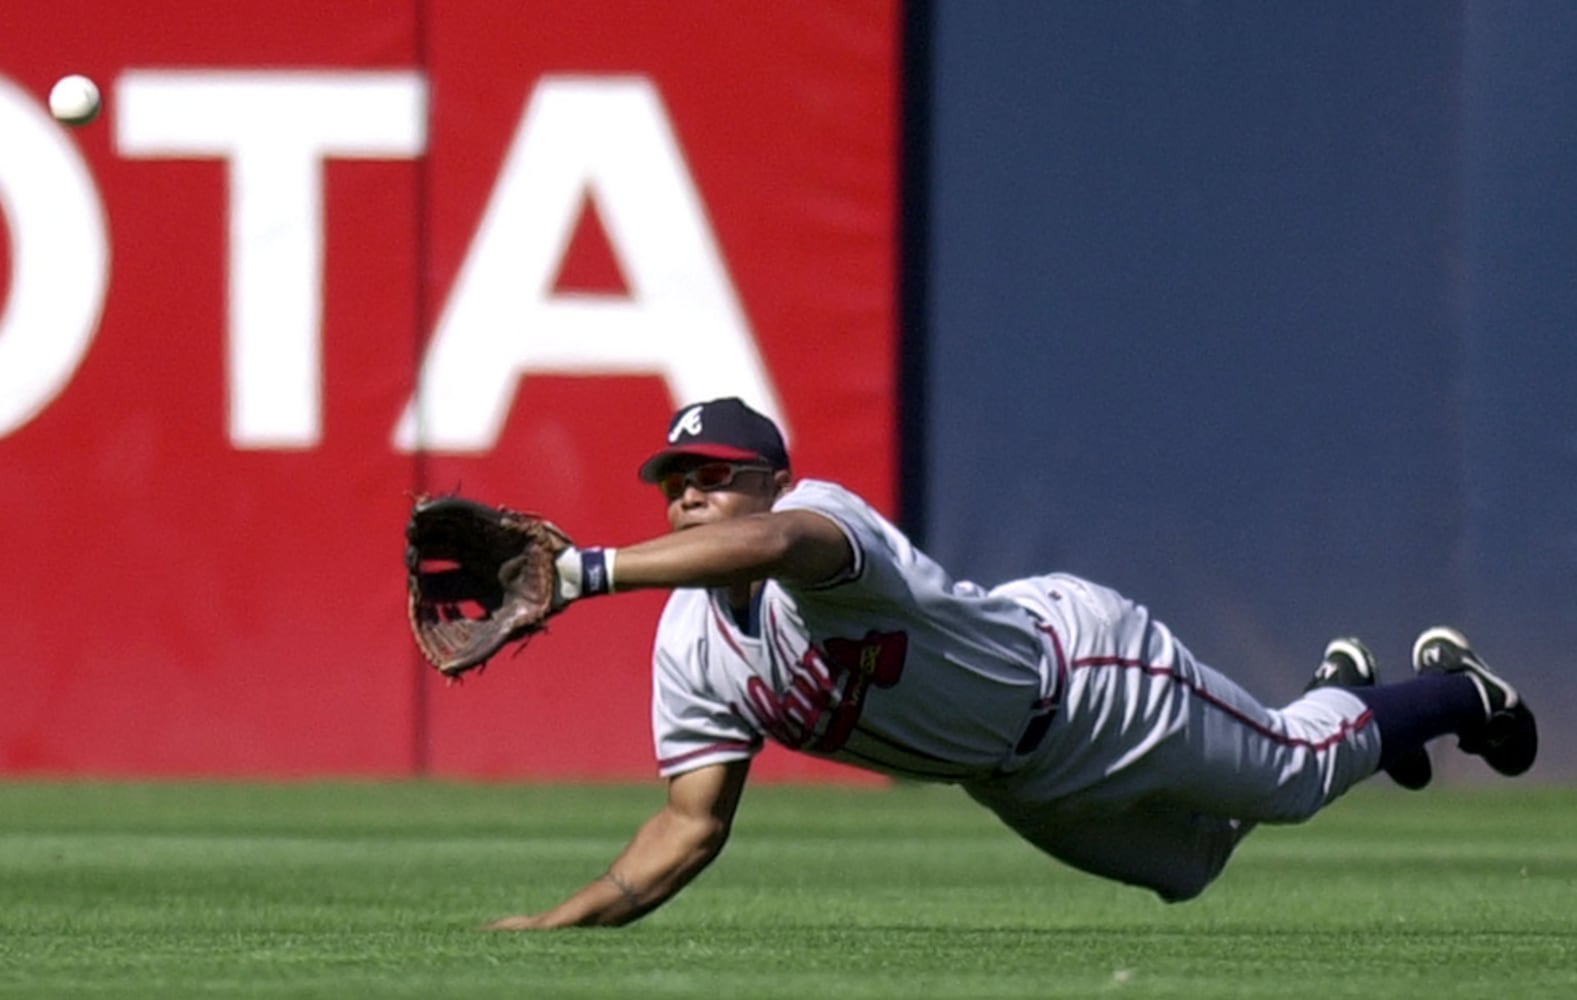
(701, 490)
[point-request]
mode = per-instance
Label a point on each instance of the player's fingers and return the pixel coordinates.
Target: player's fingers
(513, 924)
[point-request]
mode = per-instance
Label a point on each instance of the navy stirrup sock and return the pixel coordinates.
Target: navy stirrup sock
(1413, 712)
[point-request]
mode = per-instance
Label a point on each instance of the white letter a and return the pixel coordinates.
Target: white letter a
(609, 140)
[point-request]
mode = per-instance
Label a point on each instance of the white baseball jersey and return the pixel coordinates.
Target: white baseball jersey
(892, 667)
(1059, 704)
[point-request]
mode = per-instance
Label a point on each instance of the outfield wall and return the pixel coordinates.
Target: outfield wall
(1261, 314)
(317, 257)
(1265, 314)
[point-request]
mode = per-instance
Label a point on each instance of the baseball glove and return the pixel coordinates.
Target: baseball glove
(477, 578)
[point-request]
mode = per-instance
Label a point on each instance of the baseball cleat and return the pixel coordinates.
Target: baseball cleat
(1508, 739)
(1348, 663)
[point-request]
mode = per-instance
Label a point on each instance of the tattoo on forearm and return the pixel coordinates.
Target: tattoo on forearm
(625, 889)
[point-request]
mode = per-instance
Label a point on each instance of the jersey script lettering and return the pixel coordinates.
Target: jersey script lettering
(848, 668)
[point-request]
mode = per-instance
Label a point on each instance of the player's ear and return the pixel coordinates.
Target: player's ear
(781, 481)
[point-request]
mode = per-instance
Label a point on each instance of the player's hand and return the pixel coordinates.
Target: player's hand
(530, 922)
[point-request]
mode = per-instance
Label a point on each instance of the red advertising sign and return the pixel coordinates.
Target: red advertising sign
(313, 259)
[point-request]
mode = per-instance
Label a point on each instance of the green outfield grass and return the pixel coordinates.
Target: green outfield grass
(375, 890)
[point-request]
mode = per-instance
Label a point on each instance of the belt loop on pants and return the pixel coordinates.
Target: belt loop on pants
(1039, 725)
(1044, 711)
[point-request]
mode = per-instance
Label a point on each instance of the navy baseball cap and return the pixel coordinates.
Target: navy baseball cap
(725, 429)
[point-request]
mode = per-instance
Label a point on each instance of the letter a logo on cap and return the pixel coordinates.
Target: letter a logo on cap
(689, 422)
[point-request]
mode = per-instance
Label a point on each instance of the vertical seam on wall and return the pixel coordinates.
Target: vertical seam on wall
(421, 708)
(1460, 269)
(914, 193)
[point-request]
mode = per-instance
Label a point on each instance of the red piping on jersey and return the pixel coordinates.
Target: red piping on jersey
(663, 763)
(1347, 726)
(727, 629)
(774, 636)
(1060, 682)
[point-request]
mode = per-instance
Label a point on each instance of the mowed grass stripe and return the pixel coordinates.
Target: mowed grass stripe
(376, 889)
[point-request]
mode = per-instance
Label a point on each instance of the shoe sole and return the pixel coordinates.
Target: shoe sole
(1509, 738)
(1355, 652)
(1464, 661)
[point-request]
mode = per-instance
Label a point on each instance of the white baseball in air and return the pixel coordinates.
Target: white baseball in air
(74, 100)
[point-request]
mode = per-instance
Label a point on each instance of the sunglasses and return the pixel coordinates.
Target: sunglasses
(706, 478)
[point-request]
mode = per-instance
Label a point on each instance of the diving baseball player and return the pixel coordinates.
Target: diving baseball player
(800, 615)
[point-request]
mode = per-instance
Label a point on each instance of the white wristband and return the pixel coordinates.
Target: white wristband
(584, 573)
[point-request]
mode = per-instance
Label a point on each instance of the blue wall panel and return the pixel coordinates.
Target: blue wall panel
(1519, 273)
(1209, 295)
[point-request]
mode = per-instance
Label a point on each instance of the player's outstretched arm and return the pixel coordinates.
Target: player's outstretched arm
(796, 546)
(667, 852)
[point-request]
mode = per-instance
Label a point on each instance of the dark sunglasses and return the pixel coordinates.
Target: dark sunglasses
(706, 478)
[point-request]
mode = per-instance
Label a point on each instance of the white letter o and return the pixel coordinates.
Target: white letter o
(59, 258)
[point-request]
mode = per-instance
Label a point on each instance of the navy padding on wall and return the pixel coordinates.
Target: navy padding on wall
(1229, 305)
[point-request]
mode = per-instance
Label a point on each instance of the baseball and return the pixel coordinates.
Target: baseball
(74, 100)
